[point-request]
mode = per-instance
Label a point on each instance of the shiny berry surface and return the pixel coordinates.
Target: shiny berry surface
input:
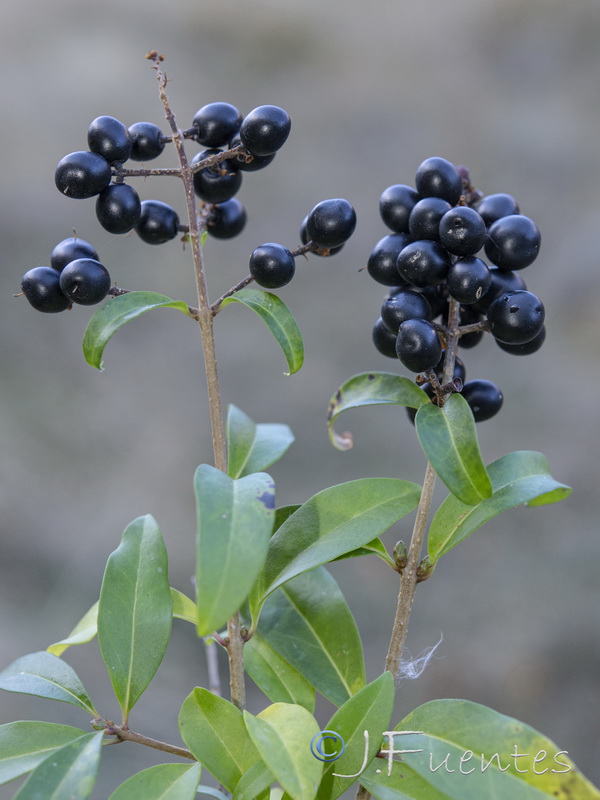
(516, 317)
(437, 177)
(158, 222)
(70, 249)
(418, 345)
(216, 124)
(513, 242)
(146, 141)
(118, 208)
(110, 139)
(227, 219)
(82, 174)
(272, 265)
(85, 281)
(265, 130)
(331, 222)
(41, 287)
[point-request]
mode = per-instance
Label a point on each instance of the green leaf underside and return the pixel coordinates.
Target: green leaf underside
(210, 791)
(68, 773)
(251, 447)
(333, 522)
(118, 312)
(162, 782)
(281, 682)
(278, 319)
(82, 633)
(369, 710)
(183, 607)
(235, 520)
(44, 675)
(25, 744)
(309, 624)
(449, 440)
(213, 729)
(522, 477)
(460, 729)
(254, 784)
(135, 611)
(376, 547)
(282, 734)
(371, 389)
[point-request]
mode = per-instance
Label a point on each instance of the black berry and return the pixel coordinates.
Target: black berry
(524, 349)
(226, 219)
(513, 242)
(484, 399)
(118, 208)
(146, 141)
(468, 280)
(265, 129)
(272, 265)
(70, 249)
(418, 345)
(85, 281)
(82, 174)
(468, 316)
(494, 206)
(218, 183)
(255, 163)
(423, 263)
(503, 280)
(395, 205)
(158, 222)
(424, 220)
(382, 261)
(384, 340)
(110, 139)
(402, 306)
(216, 124)
(516, 317)
(41, 286)
(462, 231)
(331, 223)
(459, 368)
(304, 238)
(437, 177)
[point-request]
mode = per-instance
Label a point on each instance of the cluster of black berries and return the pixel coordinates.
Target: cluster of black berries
(439, 228)
(324, 231)
(76, 275)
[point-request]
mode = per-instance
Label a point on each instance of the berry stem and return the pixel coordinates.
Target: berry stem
(216, 306)
(235, 641)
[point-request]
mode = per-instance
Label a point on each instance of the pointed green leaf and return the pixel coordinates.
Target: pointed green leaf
(369, 710)
(69, 772)
(309, 624)
(45, 675)
(118, 312)
(488, 755)
(135, 612)
(371, 389)
(213, 729)
(278, 319)
(330, 524)
(82, 633)
(376, 547)
(235, 519)
(183, 607)
(162, 782)
(276, 677)
(24, 745)
(282, 734)
(253, 448)
(517, 478)
(254, 784)
(449, 440)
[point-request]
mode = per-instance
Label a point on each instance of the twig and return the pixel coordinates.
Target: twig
(216, 306)
(126, 735)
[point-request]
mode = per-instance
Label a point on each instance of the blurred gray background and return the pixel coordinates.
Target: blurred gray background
(508, 88)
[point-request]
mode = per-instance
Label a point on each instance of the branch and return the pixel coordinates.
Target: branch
(124, 734)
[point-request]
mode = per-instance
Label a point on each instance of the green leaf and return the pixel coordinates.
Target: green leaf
(278, 319)
(476, 740)
(235, 519)
(183, 607)
(69, 773)
(118, 312)
(449, 440)
(210, 791)
(517, 478)
(24, 745)
(45, 675)
(255, 783)
(309, 624)
(276, 677)
(213, 729)
(82, 633)
(135, 612)
(333, 522)
(369, 710)
(376, 547)
(282, 734)
(162, 782)
(371, 389)
(251, 447)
